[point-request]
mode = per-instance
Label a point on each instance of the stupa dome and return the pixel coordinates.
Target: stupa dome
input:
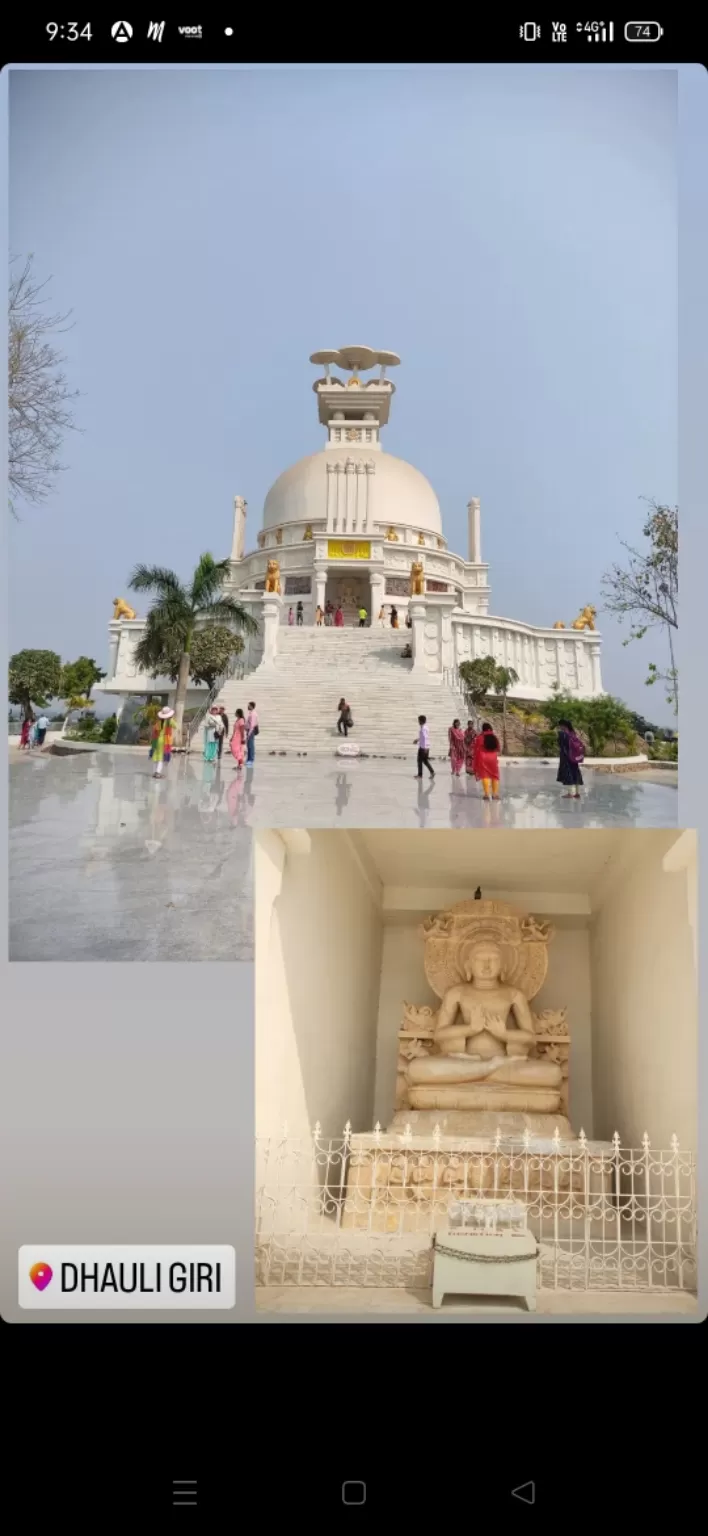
(402, 495)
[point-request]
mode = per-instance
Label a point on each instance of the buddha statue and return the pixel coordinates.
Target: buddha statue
(483, 1035)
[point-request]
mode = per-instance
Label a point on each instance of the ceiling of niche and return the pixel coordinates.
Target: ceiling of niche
(573, 860)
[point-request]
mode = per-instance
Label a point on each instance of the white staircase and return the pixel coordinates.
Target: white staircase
(297, 697)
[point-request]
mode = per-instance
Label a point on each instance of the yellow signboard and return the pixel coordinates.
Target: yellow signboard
(348, 549)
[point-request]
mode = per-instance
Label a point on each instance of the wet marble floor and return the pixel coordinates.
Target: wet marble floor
(320, 792)
(106, 863)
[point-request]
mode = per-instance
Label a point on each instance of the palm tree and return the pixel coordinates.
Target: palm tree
(178, 611)
(504, 679)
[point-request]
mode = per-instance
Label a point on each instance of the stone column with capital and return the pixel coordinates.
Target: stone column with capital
(238, 545)
(416, 611)
(272, 604)
(474, 517)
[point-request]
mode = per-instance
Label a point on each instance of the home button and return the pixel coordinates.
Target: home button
(353, 1493)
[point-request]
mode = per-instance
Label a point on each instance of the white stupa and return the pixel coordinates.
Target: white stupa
(352, 526)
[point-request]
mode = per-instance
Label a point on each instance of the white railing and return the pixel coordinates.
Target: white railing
(362, 1210)
(453, 681)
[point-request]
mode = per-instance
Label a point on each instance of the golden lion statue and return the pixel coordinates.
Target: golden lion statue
(391, 535)
(123, 610)
(585, 619)
(272, 581)
(559, 624)
(417, 579)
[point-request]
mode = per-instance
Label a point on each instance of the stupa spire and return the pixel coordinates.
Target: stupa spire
(354, 412)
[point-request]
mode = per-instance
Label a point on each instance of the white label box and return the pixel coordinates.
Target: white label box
(107, 1278)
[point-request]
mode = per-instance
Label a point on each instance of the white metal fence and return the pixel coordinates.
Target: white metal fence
(362, 1210)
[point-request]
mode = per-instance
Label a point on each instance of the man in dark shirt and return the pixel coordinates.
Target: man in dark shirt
(224, 734)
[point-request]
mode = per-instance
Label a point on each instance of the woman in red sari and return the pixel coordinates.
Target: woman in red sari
(457, 748)
(486, 762)
(339, 617)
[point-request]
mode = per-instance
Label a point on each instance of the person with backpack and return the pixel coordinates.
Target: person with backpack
(571, 751)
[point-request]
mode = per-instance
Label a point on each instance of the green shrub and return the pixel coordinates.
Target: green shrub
(109, 726)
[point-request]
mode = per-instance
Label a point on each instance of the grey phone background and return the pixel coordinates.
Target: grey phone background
(126, 1092)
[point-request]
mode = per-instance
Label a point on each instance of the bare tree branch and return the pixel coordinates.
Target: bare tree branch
(646, 591)
(41, 404)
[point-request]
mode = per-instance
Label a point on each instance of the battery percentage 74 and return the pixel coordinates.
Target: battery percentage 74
(643, 31)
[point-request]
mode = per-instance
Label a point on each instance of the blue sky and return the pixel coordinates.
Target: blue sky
(511, 233)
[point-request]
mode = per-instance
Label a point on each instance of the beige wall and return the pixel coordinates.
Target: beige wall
(567, 985)
(644, 1004)
(318, 960)
(402, 979)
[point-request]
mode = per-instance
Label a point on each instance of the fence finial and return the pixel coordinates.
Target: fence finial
(674, 1143)
(408, 1133)
(556, 1139)
(527, 1138)
(348, 1129)
(318, 1130)
(497, 1139)
(377, 1130)
(616, 1143)
(583, 1141)
(645, 1141)
(437, 1135)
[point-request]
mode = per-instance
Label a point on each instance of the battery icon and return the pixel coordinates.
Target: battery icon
(643, 31)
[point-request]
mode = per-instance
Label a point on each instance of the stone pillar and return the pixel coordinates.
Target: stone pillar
(416, 609)
(113, 644)
(440, 606)
(238, 544)
(596, 675)
(331, 495)
(272, 604)
(474, 518)
(378, 594)
(320, 586)
(369, 469)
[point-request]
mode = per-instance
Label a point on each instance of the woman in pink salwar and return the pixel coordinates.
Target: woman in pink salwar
(456, 739)
(238, 738)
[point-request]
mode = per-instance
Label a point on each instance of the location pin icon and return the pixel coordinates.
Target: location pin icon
(40, 1275)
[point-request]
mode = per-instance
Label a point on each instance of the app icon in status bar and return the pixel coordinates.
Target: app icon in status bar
(643, 31)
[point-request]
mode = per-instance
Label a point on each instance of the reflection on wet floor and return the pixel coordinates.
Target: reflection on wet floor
(106, 863)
